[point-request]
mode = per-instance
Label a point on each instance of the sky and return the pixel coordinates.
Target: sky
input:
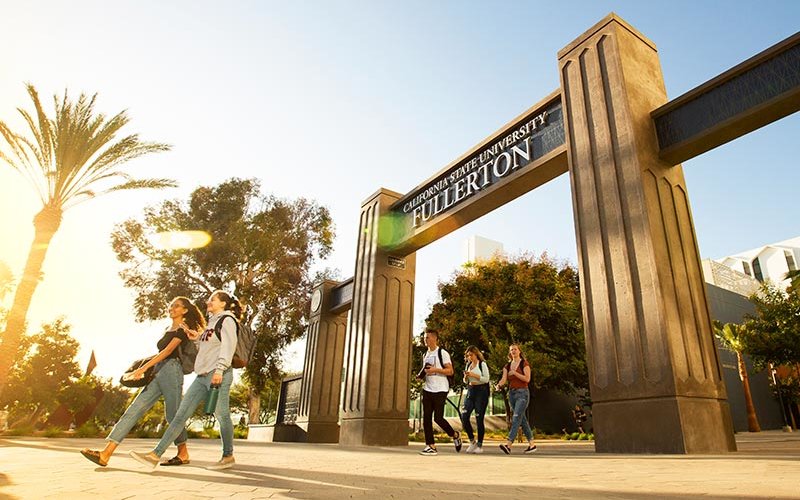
(332, 100)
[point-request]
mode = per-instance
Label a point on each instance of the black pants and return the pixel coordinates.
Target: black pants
(433, 409)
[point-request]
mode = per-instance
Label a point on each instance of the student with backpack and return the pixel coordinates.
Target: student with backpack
(437, 370)
(517, 373)
(217, 345)
(476, 376)
(175, 349)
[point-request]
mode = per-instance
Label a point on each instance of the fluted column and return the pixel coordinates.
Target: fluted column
(378, 348)
(655, 378)
(318, 413)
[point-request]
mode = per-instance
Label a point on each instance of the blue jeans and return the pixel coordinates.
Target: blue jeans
(518, 399)
(478, 400)
(195, 395)
(167, 382)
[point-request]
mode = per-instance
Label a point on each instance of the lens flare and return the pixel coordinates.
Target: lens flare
(180, 240)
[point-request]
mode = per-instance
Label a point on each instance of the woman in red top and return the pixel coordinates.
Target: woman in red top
(517, 373)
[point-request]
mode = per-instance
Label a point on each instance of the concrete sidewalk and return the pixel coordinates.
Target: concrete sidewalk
(767, 465)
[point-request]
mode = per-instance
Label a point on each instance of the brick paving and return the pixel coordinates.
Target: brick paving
(767, 465)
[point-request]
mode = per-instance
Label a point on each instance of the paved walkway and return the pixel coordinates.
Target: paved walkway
(767, 465)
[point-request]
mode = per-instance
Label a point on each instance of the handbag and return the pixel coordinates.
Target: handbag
(139, 382)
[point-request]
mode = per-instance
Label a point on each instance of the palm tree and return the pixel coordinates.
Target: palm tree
(730, 335)
(68, 159)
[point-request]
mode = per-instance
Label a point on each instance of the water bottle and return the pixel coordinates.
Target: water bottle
(211, 399)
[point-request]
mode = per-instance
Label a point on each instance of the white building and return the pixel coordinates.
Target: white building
(769, 262)
(477, 248)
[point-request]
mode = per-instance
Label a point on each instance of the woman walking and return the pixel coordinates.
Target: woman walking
(517, 373)
(476, 376)
(217, 344)
(168, 382)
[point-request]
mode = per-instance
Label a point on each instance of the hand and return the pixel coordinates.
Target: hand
(191, 334)
(429, 370)
(512, 373)
(216, 379)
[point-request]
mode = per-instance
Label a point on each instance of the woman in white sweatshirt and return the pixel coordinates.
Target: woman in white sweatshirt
(216, 346)
(476, 376)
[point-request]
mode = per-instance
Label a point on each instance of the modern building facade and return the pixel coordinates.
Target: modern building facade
(768, 262)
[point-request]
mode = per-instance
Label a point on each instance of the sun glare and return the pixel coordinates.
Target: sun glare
(178, 240)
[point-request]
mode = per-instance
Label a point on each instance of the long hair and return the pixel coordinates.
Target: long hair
(521, 356)
(193, 317)
(477, 352)
(232, 304)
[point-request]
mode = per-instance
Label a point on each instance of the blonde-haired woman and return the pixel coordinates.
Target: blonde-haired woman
(476, 376)
(517, 373)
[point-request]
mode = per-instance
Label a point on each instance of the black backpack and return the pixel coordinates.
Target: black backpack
(245, 342)
(450, 378)
(187, 353)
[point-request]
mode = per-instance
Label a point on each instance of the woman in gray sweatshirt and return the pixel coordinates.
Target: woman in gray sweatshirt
(216, 346)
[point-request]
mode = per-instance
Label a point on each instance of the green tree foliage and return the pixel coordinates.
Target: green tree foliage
(773, 334)
(531, 301)
(41, 380)
(70, 158)
(262, 250)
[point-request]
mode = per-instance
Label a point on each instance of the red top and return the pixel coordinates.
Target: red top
(515, 383)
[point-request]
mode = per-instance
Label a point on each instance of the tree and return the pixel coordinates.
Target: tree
(262, 250)
(531, 301)
(41, 380)
(773, 335)
(68, 159)
(731, 336)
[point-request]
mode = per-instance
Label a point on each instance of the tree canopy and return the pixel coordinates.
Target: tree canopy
(531, 301)
(262, 250)
(773, 334)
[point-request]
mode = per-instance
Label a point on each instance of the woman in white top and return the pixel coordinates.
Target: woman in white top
(476, 376)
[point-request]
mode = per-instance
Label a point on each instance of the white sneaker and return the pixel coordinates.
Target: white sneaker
(471, 448)
(428, 450)
(224, 463)
(478, 450)
(145, 459)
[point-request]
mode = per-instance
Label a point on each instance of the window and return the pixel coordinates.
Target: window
(790, 260)
(747, 270)
(757, 270)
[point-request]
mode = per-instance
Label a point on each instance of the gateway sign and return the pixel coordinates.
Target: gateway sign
(500, 157)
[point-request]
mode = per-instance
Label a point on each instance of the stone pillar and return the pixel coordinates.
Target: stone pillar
(318, 413)
(378, 348)
(655, 378)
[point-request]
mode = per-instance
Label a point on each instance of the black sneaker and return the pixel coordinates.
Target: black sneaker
(428, 451)
(506, 449)
(457, 443)
(530, 449)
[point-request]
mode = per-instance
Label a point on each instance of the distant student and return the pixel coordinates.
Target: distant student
(517, 373)
(213, 367)
(436, 367)
(476, 376)
(168, 382)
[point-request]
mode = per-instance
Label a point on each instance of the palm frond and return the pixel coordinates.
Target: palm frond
(74, 156)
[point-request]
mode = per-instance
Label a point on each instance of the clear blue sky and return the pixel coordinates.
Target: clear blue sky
(332, 100)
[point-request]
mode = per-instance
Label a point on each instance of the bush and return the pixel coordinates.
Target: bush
(240, 432)
(583, 437)
(21, 430)
(87, 430)
(53, 431)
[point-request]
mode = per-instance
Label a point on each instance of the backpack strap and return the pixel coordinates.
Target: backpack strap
(218, 326)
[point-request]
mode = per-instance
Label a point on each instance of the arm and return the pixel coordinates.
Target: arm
(173, 344)
(484, 373)
(503, 379)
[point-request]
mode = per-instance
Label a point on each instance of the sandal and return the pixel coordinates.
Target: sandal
(93, 456)
(176, 460)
